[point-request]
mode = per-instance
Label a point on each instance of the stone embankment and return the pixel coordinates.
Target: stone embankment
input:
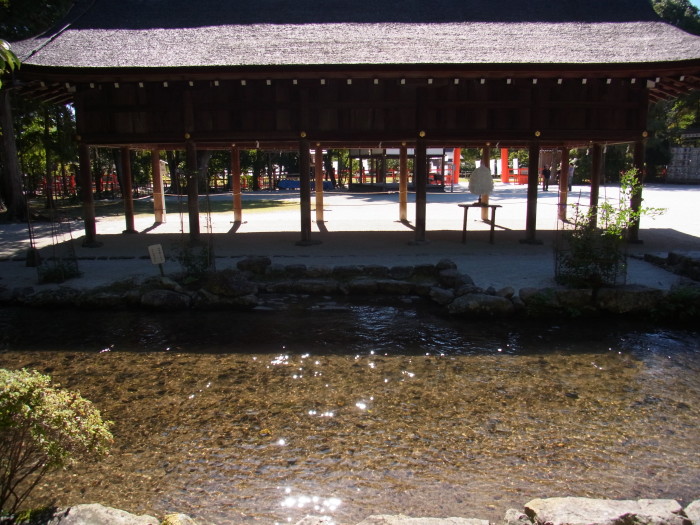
(551, 511)
(256, 283)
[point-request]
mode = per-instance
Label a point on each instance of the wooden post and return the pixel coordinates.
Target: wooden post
(236, 184)
(128, 196)
(532, 178)
(158, 195)
(403, 183)
(87, 197)
(596, 176)
(563, 183)
(420, 182)
(192, 190)
(485, 161)
(318, 176)
(636, 200)
(305, 191)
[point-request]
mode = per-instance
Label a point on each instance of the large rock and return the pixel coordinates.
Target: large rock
(480, 305)
(178, 519)
(693, 512)
(584, 511)
(95, 514)
(400, 519)
(559, 301)
(630, 299)
(166, 300)
(255, 264)
(229, 284)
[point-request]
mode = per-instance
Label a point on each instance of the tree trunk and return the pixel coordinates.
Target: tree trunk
(11, 180)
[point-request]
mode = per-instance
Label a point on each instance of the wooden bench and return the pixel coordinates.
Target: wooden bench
(481, 206)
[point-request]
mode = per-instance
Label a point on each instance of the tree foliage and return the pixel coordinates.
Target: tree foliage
(24, 18)
(591, 253)
(42, 428)
(8, 60)
(680, 13)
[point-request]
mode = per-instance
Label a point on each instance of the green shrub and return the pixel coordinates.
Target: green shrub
(592, 252)
(42, 428)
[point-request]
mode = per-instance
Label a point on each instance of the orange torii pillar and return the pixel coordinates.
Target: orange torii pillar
(456, 164)
(505, 172)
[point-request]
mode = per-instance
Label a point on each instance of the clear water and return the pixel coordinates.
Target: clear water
(346, 412)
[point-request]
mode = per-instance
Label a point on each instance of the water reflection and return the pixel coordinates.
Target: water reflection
(339, 419)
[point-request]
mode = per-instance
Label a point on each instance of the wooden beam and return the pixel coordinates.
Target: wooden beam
(318, 178)
(192, 177)
(236, 185)
(85, 176)
(128, 196)
(158, 194)
(403, 183)
(596, 177)
(636, 201)
(533, 164)
(305, 191)
(563, 183)
(420, 183)
(484, 199)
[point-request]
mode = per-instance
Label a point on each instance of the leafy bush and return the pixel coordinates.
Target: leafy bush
(42, 428)
(592, 252)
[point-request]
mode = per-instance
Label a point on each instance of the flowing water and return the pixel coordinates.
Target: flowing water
(345, 412)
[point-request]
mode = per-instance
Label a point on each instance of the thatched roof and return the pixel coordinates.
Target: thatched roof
(186, 33)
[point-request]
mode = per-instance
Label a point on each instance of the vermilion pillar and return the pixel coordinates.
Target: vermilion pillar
(505, 172)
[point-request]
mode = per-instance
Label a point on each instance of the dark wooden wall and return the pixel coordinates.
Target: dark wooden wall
(364, 109)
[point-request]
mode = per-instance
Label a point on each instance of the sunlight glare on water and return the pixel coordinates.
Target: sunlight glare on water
(346, 415)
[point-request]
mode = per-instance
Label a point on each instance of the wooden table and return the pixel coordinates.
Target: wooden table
(481, 206)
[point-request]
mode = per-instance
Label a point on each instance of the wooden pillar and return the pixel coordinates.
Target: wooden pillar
(532, 177)
(596, 177)
(636, 200)
(318, 176)
(305, 191)
(403, 183)
(128, 196)
(420, 182)
(236, 184)
(563, 183)
(87, 197)
(158, 195)
(192, 190)
(485, 161)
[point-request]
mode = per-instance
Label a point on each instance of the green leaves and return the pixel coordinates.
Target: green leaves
(592, 252)
(8, 60)
(42, 427)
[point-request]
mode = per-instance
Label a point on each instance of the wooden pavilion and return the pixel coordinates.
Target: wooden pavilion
(303, 75)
